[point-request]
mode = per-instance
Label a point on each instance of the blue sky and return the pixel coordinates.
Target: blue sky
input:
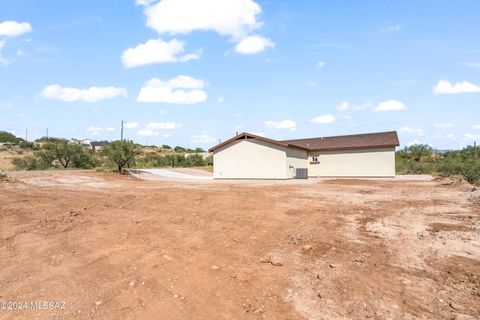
(189, 72)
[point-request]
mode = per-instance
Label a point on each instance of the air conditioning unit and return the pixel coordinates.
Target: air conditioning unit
(301, 173)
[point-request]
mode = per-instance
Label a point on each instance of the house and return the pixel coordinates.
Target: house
(248, 156)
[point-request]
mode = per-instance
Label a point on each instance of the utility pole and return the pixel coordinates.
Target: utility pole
(121, 132)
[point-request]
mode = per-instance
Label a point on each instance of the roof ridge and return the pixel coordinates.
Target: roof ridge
(343, 135)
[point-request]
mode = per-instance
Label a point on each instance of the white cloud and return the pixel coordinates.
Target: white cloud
(157, 51)
(110, 129)
(235, 18)
(3, 60)
(325, 119)
(6, 105)
(449, 136)
(473, 65)
(446, 87)
(413, 130)
(91, 94)
(345, 105)
(130, 125)
(163, 125)
(477, 126)
(392, 28)
(253, 44)
(321, 64)
(390, 105)
(166, 135)
(144, 2)
(469, 136)
(285, 124)
(414, 142)
(172, 91)
(13, 28)
(443, 125)
(202, 138)
(221, 99)
(147, 132)
(94, 131)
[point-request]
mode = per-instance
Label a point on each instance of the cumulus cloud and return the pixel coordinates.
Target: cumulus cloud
(13, 28)
(345, 105)
(157, 51)
(144, 2)
(163, 125)
(321, 64)
(390, 105)
(285, 124)
(130, 125)
(173, 91)
(443, 125)
(92, 94)
(236, 18)
(477, 126)
(415, 142)
(94, 131)
(391, 28)
(413, 130)
(325, 119)
(3, 60)
(147, 132)
(253, 44)
(473, 65)
(446, 87)
(202, 138)
(470, 136)
(449, 136)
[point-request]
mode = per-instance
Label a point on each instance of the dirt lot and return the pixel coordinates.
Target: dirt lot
(116, 247)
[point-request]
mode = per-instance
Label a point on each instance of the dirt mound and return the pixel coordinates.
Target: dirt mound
(116, 247)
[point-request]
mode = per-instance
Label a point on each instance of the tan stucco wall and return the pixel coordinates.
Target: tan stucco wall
(356, 163)
(249, 159)
(296, 158)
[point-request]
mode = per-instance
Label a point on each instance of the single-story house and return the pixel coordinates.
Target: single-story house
(248, 156)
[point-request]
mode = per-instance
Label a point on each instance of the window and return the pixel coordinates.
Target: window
(314, 159)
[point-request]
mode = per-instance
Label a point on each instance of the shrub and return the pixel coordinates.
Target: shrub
(122, 153)
(30, 162)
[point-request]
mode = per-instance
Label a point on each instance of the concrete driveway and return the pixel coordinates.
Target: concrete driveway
(177, 174)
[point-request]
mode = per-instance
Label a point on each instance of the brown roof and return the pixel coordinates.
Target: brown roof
(354, 141)
(348, 142)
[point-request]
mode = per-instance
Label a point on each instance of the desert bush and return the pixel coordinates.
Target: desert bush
(422, 159)
(29, 162)
(9, 137)
(122, 153)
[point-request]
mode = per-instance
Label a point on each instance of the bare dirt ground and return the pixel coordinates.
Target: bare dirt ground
(117, 247)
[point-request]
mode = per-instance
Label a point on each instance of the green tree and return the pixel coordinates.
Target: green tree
(122, 153)
(66, 152)
(9, 137)
(179, 149)
(199, 150)
(166, 147)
